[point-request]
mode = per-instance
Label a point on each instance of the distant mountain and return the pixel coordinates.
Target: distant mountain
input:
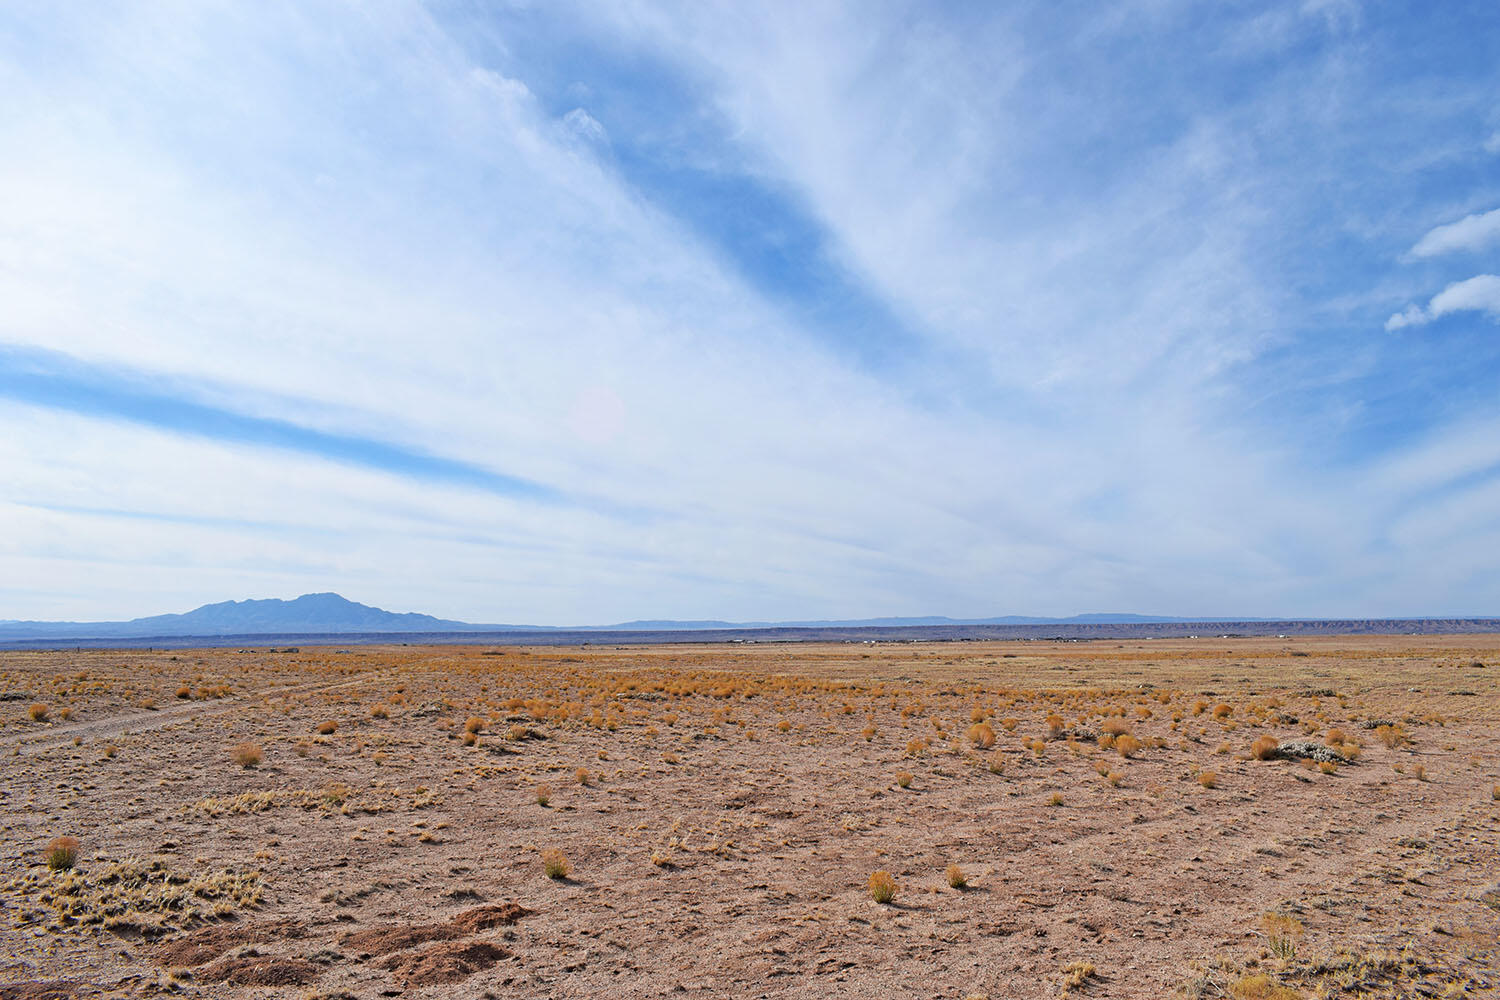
(328, 614)
(308, 614)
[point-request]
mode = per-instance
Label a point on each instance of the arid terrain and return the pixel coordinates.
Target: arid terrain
(1122, 819)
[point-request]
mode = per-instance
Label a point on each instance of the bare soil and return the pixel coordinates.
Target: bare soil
(722, 809)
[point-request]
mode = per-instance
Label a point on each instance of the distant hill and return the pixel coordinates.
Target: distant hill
(308, 614)
(331, 614)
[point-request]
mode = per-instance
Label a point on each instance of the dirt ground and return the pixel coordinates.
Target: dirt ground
(720, 810)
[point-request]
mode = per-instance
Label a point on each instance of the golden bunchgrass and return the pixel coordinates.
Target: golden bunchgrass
(62, 853)
(555, 863)
(956, 877)
(882, 886)
(247, 755)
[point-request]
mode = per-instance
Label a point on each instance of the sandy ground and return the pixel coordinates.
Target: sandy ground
(721, 810)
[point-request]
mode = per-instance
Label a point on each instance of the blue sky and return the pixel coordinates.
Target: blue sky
(576, 313)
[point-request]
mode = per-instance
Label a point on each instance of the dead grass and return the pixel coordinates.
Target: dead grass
(62, 853)
(882, 886)
(247, 755)
(555, 863)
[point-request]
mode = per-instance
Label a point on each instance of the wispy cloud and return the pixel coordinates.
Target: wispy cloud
(1471, 233)
(891, 309)
(1480, 294)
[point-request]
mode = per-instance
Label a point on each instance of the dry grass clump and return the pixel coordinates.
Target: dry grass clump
(62, 853)
(1265, 747)
(956, 877)
(1282, 933)
(247, 755)
(1075, 974)
(903, 778)
(1261, 987)
(982, 735)
(38, 712)
(543, 795)
(582, 774)
(1392, 736)
(1127, 745)
(380, 712)
(473, 724)
(132, 897)
(882, 887)
(1208, 779)
(1056, 799)
(327, 728)
(555, 864)
(1114, 727)
(868, 733)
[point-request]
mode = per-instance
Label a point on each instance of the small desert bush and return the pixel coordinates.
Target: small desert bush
(1056, 799)
(1261, 987)
(247, 754)
(473, 724)
(185, 692)
(1223, 711)
(65, 713)
(327, 728)
(1495, 793)
(555, 863)
(1328, 767)
(1265, 747)
(1039, 747)
(62, 853)
(956, 877)
(1114, 727)
(1392, 736)
(903, 778)
(1075, 974)
(470, 739)
(982, 735)
(1009, 725)
(997, 764)
(882, 887)
(1419, 772)
(582, 774)
(38, 712)
(380, 712)
(1127, 745)
(1113, 778)
(1208, 779)
(543, 795)
(868, 733)
(1282, 933)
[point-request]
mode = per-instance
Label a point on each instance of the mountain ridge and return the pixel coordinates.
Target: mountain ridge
(331, 613)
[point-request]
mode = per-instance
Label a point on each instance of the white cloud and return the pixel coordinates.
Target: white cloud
(1480, 293)
(1471, 233)
(1492, 144)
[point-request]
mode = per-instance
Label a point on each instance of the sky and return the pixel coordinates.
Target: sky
(577, 313)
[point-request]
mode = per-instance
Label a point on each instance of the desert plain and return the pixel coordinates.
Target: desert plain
(1266, 817)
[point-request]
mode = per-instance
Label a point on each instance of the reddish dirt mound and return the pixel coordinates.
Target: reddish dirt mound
(54, 989)
(484, 917)
(262, 970)
(445, 963)
(383, 940)
(399, 937)
(208, 944)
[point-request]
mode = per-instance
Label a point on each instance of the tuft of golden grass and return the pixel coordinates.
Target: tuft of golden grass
(473, 724)
(582, 774)
(38, 712)
(1419, 772)
(555, 863)
(327, 728)
(1495, 793)
(1264, 747)
(868, 733)
(186, 691)
(1126, 745)
(1261, 987)
(982, 735)
(1392, 736)
(1282, 933)
(1056, 799)
(1113, 778)
(1208, 779)
(1328, 767)
(247, 754)
(956, 877)
(903, 778)
(62, 853)
(543, 795)
(882, 887)
(380, 712)
(1075, 974)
